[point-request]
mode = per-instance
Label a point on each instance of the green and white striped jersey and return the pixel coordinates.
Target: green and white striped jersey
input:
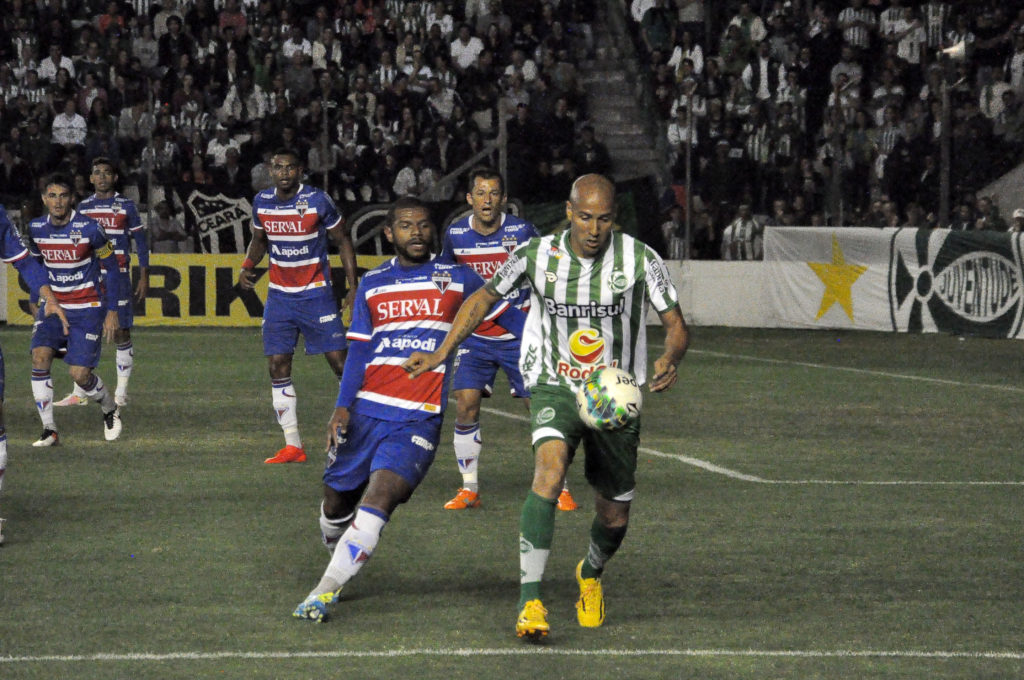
(585, 314)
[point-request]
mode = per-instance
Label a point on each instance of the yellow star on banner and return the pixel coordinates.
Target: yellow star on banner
(838, 278)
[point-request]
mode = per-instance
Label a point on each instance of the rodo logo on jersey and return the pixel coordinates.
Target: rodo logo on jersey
(586, 348)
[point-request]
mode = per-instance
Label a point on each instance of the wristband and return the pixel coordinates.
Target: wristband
(247, 263)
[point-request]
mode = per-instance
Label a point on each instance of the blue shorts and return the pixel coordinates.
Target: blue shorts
(125, 312)
(405, 448)
(476, 365)
(83, 343)
(316, 318)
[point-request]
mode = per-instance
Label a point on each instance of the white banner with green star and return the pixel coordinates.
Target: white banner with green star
(906, 280)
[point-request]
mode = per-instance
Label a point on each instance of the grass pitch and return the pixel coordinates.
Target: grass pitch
(810, 505)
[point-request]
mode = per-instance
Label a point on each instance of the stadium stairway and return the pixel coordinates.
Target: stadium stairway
(618, 103)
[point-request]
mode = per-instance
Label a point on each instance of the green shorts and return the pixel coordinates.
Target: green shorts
(610, 457)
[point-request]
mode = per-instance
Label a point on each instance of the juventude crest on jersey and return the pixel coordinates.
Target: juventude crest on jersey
(301, 206)
(618, 281)
(441, 280)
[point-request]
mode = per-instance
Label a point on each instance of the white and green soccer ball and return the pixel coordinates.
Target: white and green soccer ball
(609, 399)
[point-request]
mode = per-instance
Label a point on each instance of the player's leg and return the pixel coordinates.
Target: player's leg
(47, 335)
(3, 440)
(96, 391)
(336, 512)
(610, 468)
(474, 373)
(398, 460)
(285, 402)
(124, 356)
(467, 442)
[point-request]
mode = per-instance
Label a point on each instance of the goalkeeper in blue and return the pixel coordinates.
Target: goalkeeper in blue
(385, 428)
(12, 251)
(591, 287)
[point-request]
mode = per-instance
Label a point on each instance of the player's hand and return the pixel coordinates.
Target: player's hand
(247, 279)
(348, 300)
(419, 363)
(338, 422)
(142, 287)
(110, 325)
(665, 375)
(53, 307)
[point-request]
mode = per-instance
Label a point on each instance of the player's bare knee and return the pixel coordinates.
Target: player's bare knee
(280, 365)
(612, 514)
(336, 360)
(42, 358)
(467, 406)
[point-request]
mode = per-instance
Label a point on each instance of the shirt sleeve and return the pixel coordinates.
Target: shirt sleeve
(331, 216)
(138, 232)
(659, 284)
(103, 249)
(507, 278)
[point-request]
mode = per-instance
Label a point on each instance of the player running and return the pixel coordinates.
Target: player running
(120, 219)
(483, 241)
(292, 222)
(385, 428)
(593, 286)
(12, 251)
(73, 248)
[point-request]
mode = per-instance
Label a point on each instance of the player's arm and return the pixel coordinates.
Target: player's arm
(474, 310)
(35, 276)
(359, 356)
(115, 283)
(257, 249)
(340, 237)
(677, 339)
(142, 251)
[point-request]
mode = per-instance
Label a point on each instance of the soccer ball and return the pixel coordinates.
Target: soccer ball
(609, 399)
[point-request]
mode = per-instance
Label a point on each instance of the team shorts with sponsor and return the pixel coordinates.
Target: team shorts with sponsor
(406, 448)
(125, 309)
(610, 457)
(83, 342)
(316, 318)
(477, 364)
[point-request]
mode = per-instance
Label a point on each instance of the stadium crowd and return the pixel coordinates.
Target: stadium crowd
(381, 97)
(810, 102)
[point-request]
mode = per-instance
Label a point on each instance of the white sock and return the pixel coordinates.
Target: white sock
(98, 392)
(286, 408)
(355, 547)
(125, 359)
(332, 529)
(79, 392)
(468, 444)
(42, 392)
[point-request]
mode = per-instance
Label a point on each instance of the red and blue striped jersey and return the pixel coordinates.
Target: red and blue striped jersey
(71, 254)
(296, 232)
(485, 254)
(399, 310)
(120, 220)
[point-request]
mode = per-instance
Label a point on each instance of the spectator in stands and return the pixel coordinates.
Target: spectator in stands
(1017, 225)
(69, 128)
(53, 63)
(589, 155)
(217, 148)
(415, 178)
(742, 239)
(988, 216)
(750, 24)
(658, 29)
(465, 49)
(168, 233)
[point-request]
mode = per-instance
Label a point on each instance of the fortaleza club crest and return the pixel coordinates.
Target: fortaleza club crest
(509, 244)
(75, 236)
(956, 282)
(441, 280)
(301, 206)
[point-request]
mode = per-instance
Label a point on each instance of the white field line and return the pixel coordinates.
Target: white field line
(734, 474)
(861, 371)
(469, 652)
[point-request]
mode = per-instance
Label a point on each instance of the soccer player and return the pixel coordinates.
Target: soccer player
(591, 283)
(73, 248)
(483, 241)
(385, 428)
(11, 250)
(292, 222)
(119, 217)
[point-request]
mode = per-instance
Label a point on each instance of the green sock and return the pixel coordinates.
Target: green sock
(604, 541)
(536, 529)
